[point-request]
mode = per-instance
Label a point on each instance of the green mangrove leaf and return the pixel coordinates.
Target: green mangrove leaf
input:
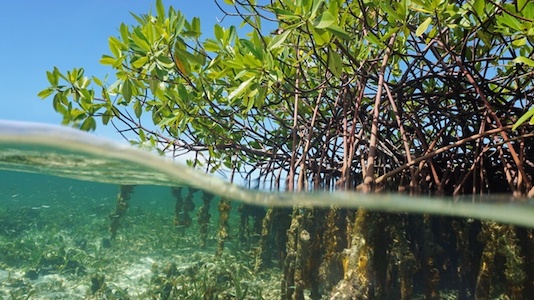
(388, 8)
(53, 78)
(195, 26)
(520, 42)
(126, 90)
(335, 65)
(45, 93)
(509, 21)
(423, 26)
(524, 60)
(240, 89)
(211, 46)
(89, 124)
(283, 14)
(278, 40)
(321, 36)
(478, 6)
(140, 62)
(140, 40)
(528, 115)
(97, 81)
(107, 60)
(125, 34)
(338, 31)
(324, 20)
(138, 109)
(160, 9)
(373, 39)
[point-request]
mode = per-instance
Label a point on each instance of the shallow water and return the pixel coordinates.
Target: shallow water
(59, 187)
(55, 241)
(53, 150)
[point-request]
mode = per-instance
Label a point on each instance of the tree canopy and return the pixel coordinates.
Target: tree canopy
(410, 94)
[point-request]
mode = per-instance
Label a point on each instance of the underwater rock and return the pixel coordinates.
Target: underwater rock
(106, 243)
(97, 283)
(32, 274)
(81, 243)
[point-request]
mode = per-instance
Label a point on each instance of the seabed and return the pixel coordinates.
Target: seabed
(58, 244)
(79, 239)
(63, 250)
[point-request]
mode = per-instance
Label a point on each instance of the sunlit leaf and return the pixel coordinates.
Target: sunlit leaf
(195, 24)
(520, 42)
(512, 22)
(478, 6)
(387, 7)
(165, 62)
(138, 109)
(240, 89)
(524, 60)
(139, 40)
(249, 103)
(423, 26)
(45, 93)
(521, 4)
(89, 124)
(283, 14)
(278, 40)
(321, 36)
(254, 49)
(116, 46)
(125, 34)
(87, 94)
(107, 60)
(58, 101)
(53, 78)
(324, 20)
(218, 31)
(528, 115)
(160, 9)
(126, 90)
(211, 45)
(142, 136)
(190, 58)
(97, 81)
(338, 31)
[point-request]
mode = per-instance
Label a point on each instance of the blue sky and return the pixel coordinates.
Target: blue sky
(38, 35)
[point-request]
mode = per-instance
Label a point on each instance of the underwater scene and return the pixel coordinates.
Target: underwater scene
(69, 239)
(86, 218)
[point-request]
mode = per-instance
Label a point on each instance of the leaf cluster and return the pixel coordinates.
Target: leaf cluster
(339, 92)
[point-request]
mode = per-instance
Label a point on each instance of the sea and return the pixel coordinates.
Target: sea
(61, 190)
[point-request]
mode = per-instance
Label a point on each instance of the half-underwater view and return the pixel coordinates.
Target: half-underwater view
(87, 218)
(288, 149)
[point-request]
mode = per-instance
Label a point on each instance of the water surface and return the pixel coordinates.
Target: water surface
(59, 189)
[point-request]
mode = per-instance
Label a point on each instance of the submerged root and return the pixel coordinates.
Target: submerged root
(122, 206)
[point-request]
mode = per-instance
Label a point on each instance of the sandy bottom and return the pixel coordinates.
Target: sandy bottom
(63, 250)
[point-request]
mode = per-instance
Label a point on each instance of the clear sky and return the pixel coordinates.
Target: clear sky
(38, 35)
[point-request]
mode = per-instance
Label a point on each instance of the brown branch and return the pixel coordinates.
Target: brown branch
(438, 151)
(413, 181)
(492, 114)
(370, 172)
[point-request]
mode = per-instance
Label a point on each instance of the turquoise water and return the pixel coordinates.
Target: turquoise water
(64, 152)
(55, 242)
(59, 190)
